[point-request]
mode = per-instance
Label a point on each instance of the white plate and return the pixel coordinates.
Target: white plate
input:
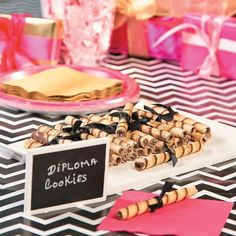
(221, 147)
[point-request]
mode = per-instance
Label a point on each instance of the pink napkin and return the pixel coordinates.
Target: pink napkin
(189, 217)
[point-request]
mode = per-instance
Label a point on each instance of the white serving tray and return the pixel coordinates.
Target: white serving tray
(221, 147)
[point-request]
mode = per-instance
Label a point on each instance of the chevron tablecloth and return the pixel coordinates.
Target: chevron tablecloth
(213, 98)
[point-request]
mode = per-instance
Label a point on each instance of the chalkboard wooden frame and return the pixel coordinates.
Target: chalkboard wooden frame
(39, 153)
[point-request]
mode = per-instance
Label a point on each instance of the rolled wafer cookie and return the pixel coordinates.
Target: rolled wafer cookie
(41, 137)
(86, 136)
(178, 117)
(158, 147)
(158, 109)
(122, 125)
(98, 133)
(190, 129)
(156, 133)
(151, 140)
(117, 149)
(187, 149)
(50, 131)
(127, 148)
(120, 141)
(85, 121)
(114, 159)
(160, 158)
(45, 138)
(144, 151)
(60, 126)
(142, 207)
(187, 140)
(197, 136)
(142, 141)
(70, 120)
(31, 143)
(200, 127)
(112, 118)
(131, 156)
(151, 161)
(176, 142)
(99, 119)
(147, 114)
(63, 141)
(175, 131)
(124, 158)
(116, 144)
(131, 142)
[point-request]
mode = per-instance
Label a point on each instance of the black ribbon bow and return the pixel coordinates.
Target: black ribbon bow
(110, 129)
(167, 117)
(76, 135)
(166, 188)
(54, 141)
(75, 131)
(121, 114)
(73, 128)
(135, 125)
(172, 155)
(77, 128)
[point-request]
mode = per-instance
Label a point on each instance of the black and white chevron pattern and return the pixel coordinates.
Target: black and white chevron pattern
(32, 7)
(213, 98)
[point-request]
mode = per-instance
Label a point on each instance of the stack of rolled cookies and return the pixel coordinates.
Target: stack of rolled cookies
(136, 135)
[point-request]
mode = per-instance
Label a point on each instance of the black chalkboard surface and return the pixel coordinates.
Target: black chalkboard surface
(60, 176)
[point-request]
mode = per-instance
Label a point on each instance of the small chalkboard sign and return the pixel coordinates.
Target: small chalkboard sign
(65, 175)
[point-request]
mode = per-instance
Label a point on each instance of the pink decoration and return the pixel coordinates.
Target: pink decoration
(212, 48)
(124, 38)
(171, 48)
(22, 46)
(209, 46)
(190, 217)
(87, 28)
(11, 31)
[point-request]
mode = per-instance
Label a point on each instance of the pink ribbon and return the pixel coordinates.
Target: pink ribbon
(11, 31)
(209, 31)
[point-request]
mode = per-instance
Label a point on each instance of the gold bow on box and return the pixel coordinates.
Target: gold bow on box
(135, 13)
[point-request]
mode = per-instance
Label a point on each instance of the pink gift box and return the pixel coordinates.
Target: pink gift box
(27, 41)
(203, 49)
(124, 39)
